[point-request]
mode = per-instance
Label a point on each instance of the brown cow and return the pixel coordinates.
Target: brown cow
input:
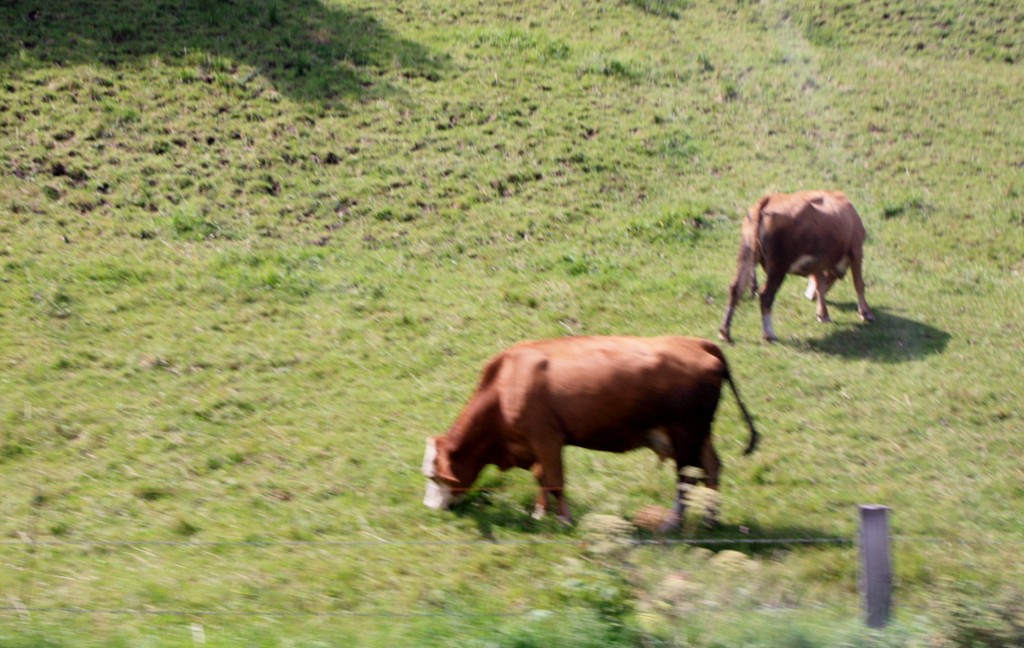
(602, 393)
(816, 234)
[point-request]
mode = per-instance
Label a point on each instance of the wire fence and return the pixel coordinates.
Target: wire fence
(28, 542)
(276, 614)
(29, 545)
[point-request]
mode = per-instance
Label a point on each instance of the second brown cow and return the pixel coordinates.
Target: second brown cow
(816, 234)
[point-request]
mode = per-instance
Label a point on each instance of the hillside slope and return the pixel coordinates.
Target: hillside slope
(253, 253)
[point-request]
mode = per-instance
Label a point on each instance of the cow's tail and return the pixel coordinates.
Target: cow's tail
(750, 249)
(754, 436)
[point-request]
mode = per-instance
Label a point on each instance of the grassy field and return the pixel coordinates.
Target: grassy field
(253, 253)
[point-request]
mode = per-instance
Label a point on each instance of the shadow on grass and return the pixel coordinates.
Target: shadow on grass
(753, 540)
(491, 513)
(491, 516)
(890, 338)
(308, 51)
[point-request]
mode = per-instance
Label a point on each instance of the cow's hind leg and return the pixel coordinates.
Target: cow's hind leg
(746, 276)
(735, 290)
(692, 448)
(771, 286)
(712, 466)
(858, 284)
(821, 286)
(704, 466)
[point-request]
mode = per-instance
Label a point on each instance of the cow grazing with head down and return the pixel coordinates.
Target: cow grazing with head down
(816, 234)
(603, 393)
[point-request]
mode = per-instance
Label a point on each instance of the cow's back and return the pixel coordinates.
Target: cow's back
(819, 223)
(596, 387)
(592, 363)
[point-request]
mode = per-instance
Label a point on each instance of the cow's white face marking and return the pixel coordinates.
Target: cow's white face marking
(803, 262)
(435, 497)
(429, 457)
(438, 495)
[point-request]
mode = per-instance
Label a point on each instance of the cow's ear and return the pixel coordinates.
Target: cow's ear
(445, 474)
(443, 463)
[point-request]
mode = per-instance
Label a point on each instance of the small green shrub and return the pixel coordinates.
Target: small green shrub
(291, 272)
(184, 528)
(107, 271)
(191, 226)
(600, 591)
(687, 224)
(664, 8)
(902, 207)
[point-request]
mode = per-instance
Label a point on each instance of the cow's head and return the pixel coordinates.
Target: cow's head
(441, 482)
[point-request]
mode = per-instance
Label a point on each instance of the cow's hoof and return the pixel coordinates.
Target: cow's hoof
(565, 520)
(868, 316)
(538, 512)
(825, 320)
(724, 335)
(770, 338)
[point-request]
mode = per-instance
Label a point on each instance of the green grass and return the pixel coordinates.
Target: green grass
(253, 253)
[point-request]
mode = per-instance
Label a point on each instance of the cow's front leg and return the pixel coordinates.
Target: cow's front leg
(540, 506)
(551, 478)
(858, 284)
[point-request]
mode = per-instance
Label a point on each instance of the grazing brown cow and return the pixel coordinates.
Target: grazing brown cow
(602, 393)
(816, 234)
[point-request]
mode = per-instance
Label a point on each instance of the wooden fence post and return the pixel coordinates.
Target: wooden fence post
(876, 564)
